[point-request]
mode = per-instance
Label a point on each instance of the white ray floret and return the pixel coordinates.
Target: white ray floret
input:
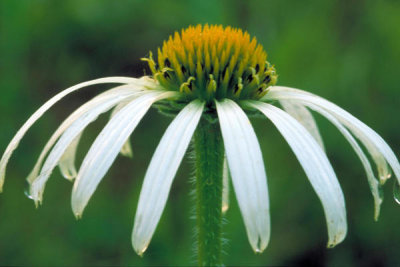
(120, 92)
(376, 146)
(316, 165)
(35, 116)
(304, 116)
(68, 138)
(372, 180)
(126, 149)
(247, 170)
(107, 146)
(161, 172)
(67, 160)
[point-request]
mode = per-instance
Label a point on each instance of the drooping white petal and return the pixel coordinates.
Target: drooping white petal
(372, 180)
(126, 149)
(304, 116)
(161, 172)
(316, 165)
(68, 137)
(378, 157)
(107, 146)
(67, 161)
(376, 146)
(247, 170)
(225, 187)
(123, 90)
(35, 116)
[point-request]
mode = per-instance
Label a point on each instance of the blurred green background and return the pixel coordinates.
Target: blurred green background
(346, 51)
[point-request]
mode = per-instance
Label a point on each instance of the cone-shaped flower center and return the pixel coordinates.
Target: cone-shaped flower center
(213, 62)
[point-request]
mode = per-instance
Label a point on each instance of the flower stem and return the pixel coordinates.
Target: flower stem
(209, 156)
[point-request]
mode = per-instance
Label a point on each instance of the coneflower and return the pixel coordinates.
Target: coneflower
(211, 79)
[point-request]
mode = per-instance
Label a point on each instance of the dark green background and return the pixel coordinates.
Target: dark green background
(345, 51)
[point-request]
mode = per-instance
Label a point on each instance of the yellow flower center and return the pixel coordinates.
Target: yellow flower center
(213, 62)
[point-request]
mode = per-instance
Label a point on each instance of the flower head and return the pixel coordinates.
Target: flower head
(222, 74)
(213, 62)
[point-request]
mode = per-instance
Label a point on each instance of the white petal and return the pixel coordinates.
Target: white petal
(376, 146)
(67, 161)
(126, 149)
(107, 146)
(316, 165)
(304, 116)
(247, 170)
(104, 97)
(21, 132)
(225, 187)
(372, 181)
(161, 172)
(67, 139)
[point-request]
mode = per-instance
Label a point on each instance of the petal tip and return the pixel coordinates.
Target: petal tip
(126, 150)
(69, 175)
(36, 191)
(383, 177)
(377, 210)
(258, 250)
(225, 208)
(140, 249)
(337, 239)
(127, 155)
(260, 245)
(78, 211)
(70, 178)
(36, 197)
(38, 202)
(78, 215)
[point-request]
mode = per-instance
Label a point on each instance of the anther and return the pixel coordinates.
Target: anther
(167, 62)
(224, 71)
(236, 88)
(263, 90)
(183, 69)
(267, 79)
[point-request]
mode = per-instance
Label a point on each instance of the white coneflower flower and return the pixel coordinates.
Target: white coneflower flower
(211, 79)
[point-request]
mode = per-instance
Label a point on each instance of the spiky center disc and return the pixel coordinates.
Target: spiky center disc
(213, 62)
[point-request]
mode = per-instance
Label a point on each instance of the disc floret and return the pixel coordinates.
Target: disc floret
(213, 62)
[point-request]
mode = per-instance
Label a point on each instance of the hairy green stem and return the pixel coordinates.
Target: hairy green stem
(209, 156)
